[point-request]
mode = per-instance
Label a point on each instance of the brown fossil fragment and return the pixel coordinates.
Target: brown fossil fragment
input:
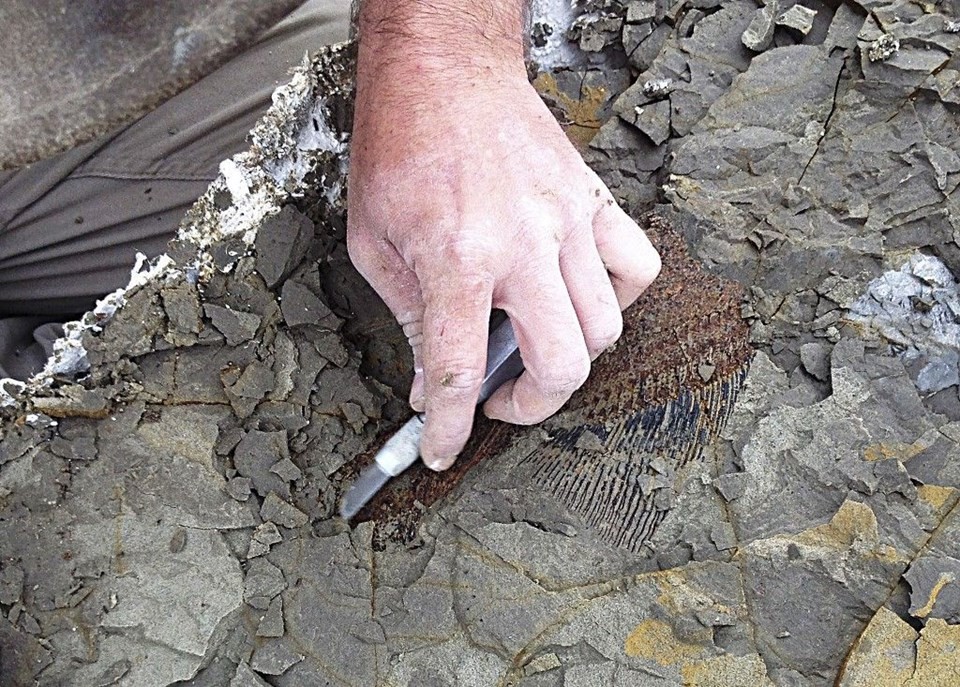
(621, 447)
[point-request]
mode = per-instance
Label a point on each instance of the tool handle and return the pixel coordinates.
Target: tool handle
(503, 364)
(403, 448)
(503, 360)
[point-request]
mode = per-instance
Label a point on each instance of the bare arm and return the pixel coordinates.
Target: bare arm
(465, 195)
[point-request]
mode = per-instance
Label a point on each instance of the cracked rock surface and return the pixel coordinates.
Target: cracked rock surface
(168, 485)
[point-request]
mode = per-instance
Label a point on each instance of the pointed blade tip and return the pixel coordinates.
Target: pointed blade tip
(370, 481)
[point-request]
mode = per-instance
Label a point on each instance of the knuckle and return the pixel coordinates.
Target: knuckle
(467, 250)
(359, 247)
(564, 379)
(457, 379)
(444, 444)
(603, 331)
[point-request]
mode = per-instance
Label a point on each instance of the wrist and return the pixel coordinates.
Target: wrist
(422, 38)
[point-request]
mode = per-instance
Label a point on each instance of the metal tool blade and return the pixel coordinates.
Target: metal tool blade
(370, 481)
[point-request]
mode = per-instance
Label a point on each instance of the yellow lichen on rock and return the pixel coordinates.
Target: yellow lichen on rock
(583, 113)
(902, 451)
(890, 653)
(943, 580)
(883, 655)
(654, 640)
(853, 522)
(940, 499)
(938, 656)
(853, 526)
(726, 671)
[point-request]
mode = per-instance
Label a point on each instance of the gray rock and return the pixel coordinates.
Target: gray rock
(938, 374)
(783, 91)
(689, 21)
(286, 470)
(182, 305)
(281, 243)
(935, 587)
(254, 457)
(274, 658)
(239, 488)
(262, 583)
(237, 327)
(815, 358)
(114, 673)
(156, 605)
(11, 583)
(245, 677)
(277, 510)
(759, 35)
(265, 536)
(654, 121)
(640, 11)
(646, 51)
(732, 486)
(844, 27)
(798, 18)
(271, 625)
(252, 384)
(300, 306)
(723, 536)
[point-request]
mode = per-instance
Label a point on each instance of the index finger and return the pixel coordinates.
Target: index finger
(455, 325)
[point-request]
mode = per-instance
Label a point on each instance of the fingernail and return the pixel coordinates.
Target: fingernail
(440, 464)
(418, 399)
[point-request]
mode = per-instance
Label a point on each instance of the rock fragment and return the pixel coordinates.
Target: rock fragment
(248, 387)
(113, 674)
(286, 470)
(641, 11)
(11, 584)
(237, 327)
(935, 587)
(654, 120)
(274, 658)
(245, 677)
(300, 305)
(265, 536)
(255, 456)
(277, 510)
(239, 488)
(759, 34)
(815, 358)
(262, 583)
(271, 625)
(282, 240)
(72, 400)
(181, 303)
(939, 374)
(798, 18)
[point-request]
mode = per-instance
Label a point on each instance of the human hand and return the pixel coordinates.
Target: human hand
(465, 195)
